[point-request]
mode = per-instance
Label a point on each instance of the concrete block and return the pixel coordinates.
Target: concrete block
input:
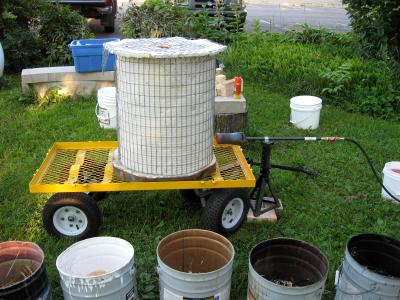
(229, 105)
(65, 77)
(269, 216)
(83, 88)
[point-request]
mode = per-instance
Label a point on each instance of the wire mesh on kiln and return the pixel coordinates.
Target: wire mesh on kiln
(165, 104)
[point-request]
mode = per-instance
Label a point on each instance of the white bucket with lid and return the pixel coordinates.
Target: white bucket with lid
(391, 179)
(98, 268)
(106, 108)
(305, 111)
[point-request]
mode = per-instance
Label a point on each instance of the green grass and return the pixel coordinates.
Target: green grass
(317, 62)
(324, 211)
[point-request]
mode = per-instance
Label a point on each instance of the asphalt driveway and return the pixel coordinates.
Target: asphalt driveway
(274, 15)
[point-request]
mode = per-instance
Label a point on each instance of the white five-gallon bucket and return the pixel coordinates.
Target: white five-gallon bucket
(195, 264)
(106, 108)
(305, 111)
(100, 268)
(391, 179)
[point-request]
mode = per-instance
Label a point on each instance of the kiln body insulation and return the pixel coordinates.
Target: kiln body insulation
(165, 107)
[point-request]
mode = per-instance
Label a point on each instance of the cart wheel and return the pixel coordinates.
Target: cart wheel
(74, 215)
(226, 210)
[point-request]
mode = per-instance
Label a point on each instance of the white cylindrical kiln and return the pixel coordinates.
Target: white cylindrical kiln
(165, 107)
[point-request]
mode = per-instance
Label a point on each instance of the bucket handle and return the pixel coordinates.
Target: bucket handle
(132, 271)
(103, 120)
(338, 276)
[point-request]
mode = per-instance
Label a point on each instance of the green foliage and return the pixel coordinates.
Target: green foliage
(376, 25)
(59, 25)
(305, 34)
(318, 63)
(53, 95)
(25, 97)
(35, 32)
(153, 19)
(156, 18)
(338, 80)
(18, 32)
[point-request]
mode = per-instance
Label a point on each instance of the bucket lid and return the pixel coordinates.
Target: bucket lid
(108, 92)
(164, 47)
(306, 100)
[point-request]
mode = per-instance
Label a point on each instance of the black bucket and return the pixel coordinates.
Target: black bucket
(378, 253)
(282, 268)
(22, 272)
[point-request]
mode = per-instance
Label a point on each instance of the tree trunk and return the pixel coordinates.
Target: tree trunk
(230, 122)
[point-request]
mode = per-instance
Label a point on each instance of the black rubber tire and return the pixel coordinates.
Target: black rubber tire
(98, 196)
(80, 200)
(212, 213)
(109, 29)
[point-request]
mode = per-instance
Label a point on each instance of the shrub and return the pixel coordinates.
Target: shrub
(328, 69)
(18, 33)
(59, 25)
(376, 24)
(35, 32)
(305, 34)
(156, 18)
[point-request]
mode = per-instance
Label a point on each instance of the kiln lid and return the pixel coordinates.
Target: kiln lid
(164, 47)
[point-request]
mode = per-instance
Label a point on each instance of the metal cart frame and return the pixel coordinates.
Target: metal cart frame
(79, 171)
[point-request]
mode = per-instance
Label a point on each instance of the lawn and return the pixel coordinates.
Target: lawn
(324, 211)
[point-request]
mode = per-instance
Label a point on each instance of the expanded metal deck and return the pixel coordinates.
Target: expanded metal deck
(87, 167)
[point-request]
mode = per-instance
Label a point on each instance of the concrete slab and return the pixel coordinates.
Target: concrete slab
(65, 77)
(229, 105)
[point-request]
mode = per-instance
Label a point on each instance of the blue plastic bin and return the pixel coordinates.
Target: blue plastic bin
(88, 55)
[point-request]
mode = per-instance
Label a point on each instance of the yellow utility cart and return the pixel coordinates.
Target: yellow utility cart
(81, 173)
